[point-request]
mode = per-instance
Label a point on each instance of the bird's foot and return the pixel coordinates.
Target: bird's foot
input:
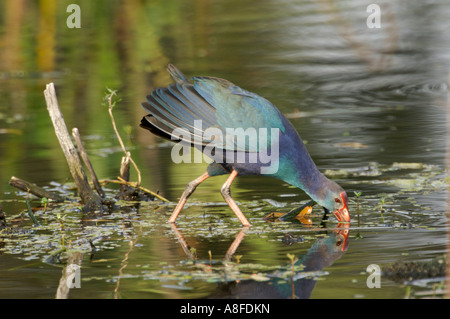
(303, 216)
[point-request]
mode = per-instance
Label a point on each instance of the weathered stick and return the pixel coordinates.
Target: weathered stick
(91, 200)
(34, 189)
(87, 162)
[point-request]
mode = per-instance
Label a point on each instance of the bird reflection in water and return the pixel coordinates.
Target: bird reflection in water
(322, 254)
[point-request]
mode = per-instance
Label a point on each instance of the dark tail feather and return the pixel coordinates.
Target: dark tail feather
(156, 127)
(177, 107)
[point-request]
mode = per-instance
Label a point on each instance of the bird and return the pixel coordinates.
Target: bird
(188, 110)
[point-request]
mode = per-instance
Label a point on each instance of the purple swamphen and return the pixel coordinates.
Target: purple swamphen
(231, 126)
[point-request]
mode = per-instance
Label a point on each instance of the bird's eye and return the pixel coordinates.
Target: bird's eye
(337, 200)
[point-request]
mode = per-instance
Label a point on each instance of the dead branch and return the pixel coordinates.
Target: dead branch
(87, 162)
(34, 189)
(91, 200)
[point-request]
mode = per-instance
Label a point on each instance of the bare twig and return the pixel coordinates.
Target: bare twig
(111, 104)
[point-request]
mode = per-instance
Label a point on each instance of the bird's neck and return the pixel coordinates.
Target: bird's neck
(315, 185)
(304, 174)
(296, 166)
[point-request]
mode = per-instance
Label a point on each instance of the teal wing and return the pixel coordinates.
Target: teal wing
(231, 117)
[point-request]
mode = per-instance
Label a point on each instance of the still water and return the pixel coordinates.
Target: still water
(370, 104)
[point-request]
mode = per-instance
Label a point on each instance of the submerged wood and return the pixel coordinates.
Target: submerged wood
(91, 200)
(34, 189)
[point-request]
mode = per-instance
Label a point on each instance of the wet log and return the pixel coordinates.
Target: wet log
(89, 198)
(34, 189)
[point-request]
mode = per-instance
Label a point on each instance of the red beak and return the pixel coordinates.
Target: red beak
(342, 214)
(342, 230)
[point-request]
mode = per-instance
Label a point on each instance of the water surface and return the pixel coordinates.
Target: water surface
(371, 105)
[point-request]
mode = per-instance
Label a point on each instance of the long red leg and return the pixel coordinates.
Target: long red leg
(225, 190)
(190, 188)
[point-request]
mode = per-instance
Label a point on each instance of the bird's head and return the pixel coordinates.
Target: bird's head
(340, 207)
(335, 200)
